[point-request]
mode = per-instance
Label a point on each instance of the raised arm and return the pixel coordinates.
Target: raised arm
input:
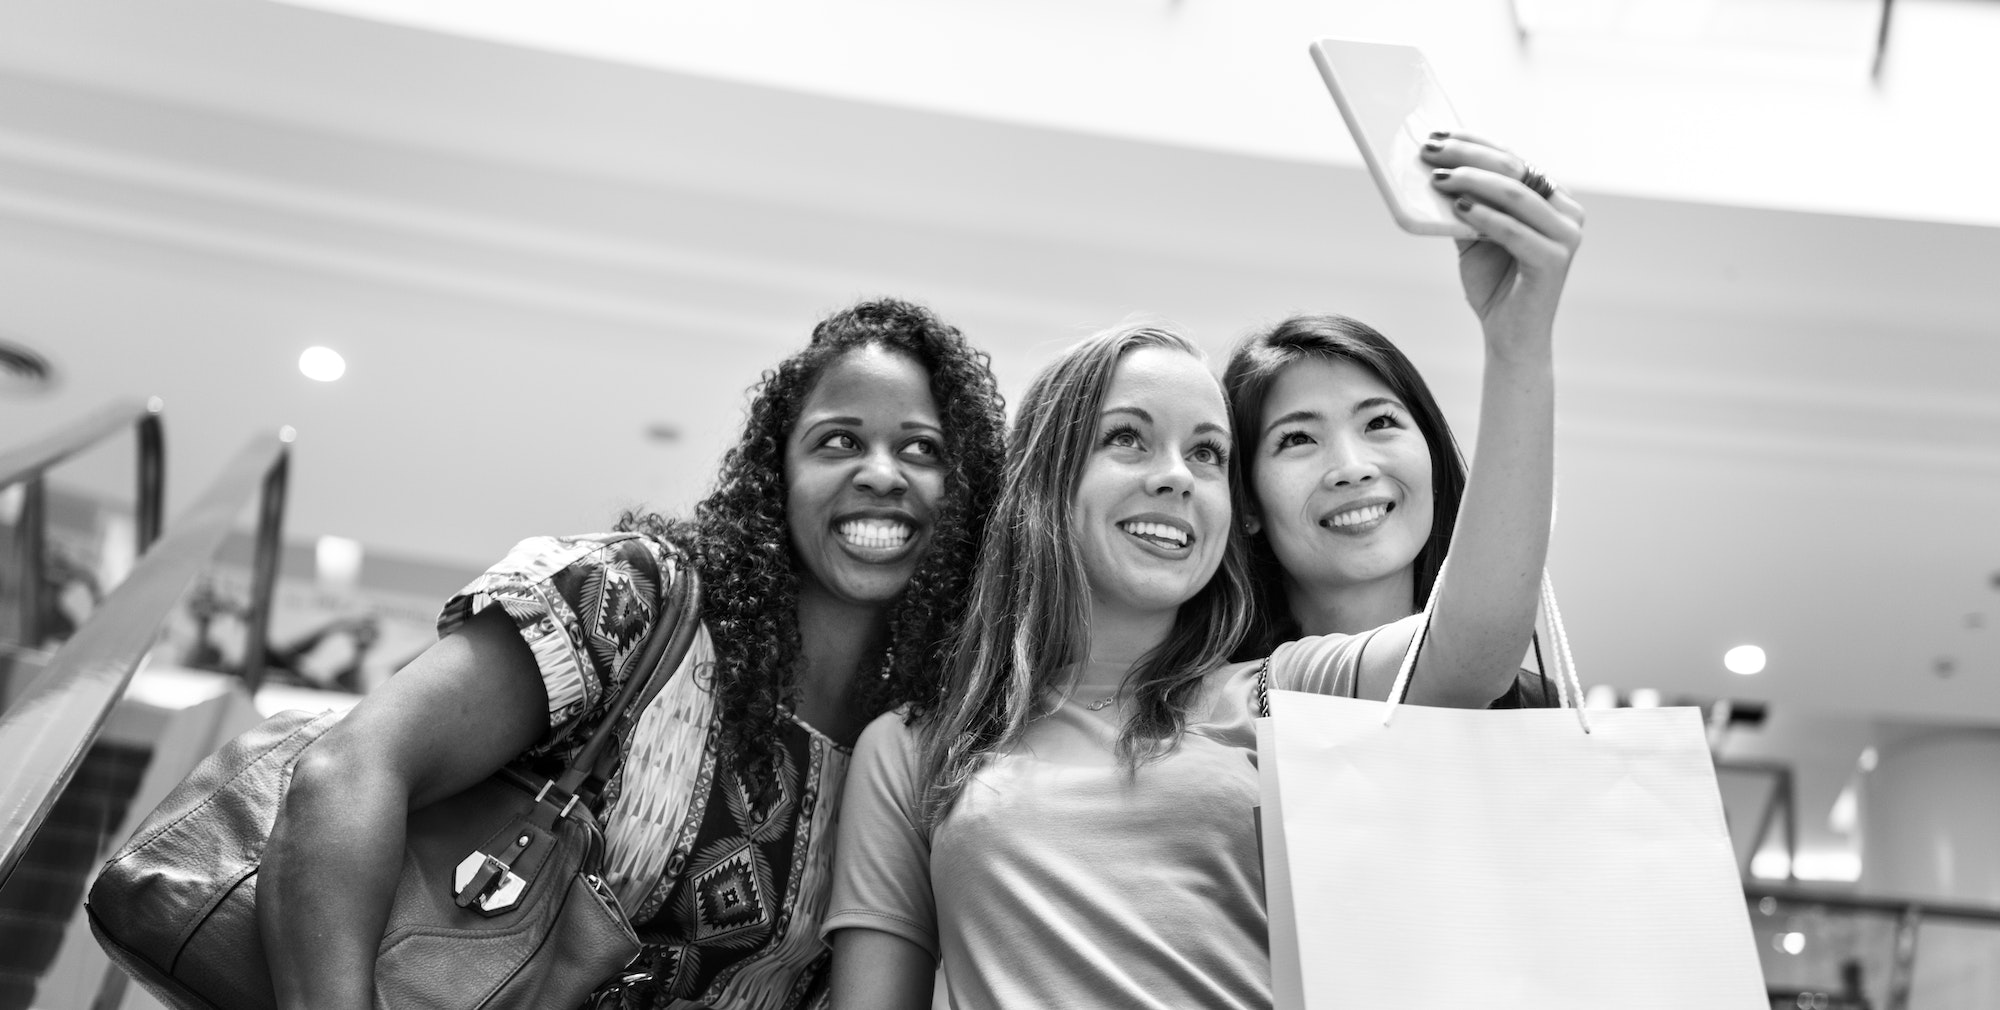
(454, 716)
(1513, 278)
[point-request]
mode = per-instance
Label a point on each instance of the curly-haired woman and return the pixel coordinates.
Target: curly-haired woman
(833, 555)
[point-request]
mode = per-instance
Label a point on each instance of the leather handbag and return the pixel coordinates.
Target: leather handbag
(500, 904)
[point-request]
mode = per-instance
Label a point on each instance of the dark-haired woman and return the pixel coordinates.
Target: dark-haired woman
(833, 556)
(1073, 827)
(1351, 489)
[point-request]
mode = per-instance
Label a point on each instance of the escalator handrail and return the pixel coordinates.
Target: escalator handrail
(27, 462)
(1848, 900)
(48, 728)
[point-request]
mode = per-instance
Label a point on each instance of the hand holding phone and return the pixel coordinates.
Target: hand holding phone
(1392, 104)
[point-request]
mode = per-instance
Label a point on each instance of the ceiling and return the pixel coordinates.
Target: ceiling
(1776, 426)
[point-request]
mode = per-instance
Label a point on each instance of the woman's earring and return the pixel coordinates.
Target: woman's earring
(1251, 526)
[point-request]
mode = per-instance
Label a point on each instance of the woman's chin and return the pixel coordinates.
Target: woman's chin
(1350, 573)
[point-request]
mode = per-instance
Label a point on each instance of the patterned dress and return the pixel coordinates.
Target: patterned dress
(726, 887)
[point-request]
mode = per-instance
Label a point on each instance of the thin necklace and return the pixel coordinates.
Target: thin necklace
(1102, 703)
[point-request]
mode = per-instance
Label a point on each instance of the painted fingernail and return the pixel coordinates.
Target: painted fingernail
(1440, 173)
(1463, 203)
(1433, 145)
(1440, 134)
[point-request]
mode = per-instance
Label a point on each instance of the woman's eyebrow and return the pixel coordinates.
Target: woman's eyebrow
(1141, 414)
(1378, 401)
(813, 424)
(1296, 416)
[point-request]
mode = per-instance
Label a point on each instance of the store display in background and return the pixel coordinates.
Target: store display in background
(346, 629)
(343, 642)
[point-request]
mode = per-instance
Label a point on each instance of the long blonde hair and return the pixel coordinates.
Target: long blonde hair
(1027, 617)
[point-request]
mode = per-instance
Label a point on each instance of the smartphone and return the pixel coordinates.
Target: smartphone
(1392, 102)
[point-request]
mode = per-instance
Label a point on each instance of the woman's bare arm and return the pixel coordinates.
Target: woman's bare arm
(1513, 278)
(454, 716)
(874, 970)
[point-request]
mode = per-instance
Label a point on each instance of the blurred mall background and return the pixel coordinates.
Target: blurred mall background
(550, 245)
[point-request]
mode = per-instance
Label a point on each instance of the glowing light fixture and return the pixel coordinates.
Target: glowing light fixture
(1744, 659)
(322, 364)
(1770, 864)
(337, 563)
(1795, 943)
(1846, 811)
(1644, 697)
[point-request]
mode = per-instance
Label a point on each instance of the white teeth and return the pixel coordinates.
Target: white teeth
(875, 532)
(1361, 515)
(1173, 535)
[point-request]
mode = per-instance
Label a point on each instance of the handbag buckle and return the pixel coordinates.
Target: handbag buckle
(489, 881)
(485, 881)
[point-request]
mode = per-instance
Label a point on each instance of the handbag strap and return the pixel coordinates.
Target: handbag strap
(1264, 688)
(1568, 688)
(667, 642)
(1353, 687)
(488, 877)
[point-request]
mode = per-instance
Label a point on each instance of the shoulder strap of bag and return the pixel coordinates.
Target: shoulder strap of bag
(1264, 688)
(1567, 684)
(1353, 686)
(486, 879)
(667, 643)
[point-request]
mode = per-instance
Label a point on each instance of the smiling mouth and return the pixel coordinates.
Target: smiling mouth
(1158, 534)
(875, 533)
(1355, 517)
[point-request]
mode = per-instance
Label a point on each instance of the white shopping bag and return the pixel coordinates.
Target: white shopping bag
(1424, 857)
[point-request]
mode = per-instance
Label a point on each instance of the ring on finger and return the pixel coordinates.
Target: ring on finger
(1533, 178)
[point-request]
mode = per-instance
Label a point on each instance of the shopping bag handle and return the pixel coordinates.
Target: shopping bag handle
(1569, 689)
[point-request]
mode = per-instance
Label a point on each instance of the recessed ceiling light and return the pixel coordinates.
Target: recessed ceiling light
(322, 364)
(1744, 659)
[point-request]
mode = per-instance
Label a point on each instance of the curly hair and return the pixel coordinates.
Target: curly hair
(741, 545)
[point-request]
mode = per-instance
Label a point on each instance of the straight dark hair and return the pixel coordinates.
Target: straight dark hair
(1253, 368)
(1028, 616)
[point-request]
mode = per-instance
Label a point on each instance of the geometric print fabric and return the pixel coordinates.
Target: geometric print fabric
(734, 919)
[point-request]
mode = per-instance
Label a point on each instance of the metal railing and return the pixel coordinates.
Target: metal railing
(46, 731)
(26, 466)
(1780, 808)
(1910, 915)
